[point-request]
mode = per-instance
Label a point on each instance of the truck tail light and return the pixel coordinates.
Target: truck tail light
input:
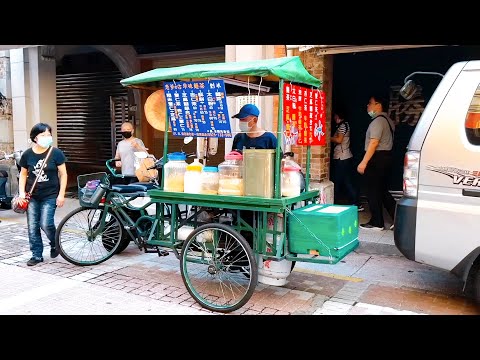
(410, 173)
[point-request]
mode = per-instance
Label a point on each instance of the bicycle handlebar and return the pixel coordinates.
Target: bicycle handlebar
(7, 156)
(112, 169)
(157, 165)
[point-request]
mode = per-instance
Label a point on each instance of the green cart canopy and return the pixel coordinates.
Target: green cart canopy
(286, 68)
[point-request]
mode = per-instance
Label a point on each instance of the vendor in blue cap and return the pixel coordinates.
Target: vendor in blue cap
(252, 136)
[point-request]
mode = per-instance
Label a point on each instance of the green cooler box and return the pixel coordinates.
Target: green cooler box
(336, 226)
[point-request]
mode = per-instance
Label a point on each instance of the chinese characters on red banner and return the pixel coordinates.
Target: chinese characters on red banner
(304, 115)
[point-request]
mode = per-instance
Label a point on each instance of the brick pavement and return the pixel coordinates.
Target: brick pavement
(137, 283)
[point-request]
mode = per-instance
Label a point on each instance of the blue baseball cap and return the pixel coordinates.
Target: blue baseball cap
(247, 110)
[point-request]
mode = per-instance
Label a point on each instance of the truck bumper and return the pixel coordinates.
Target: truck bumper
(405, 226)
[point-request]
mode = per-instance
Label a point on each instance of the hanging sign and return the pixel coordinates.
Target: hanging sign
(198, 108)
(304, 115)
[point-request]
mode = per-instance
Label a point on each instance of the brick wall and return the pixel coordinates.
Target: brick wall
(279, 51)
(322, 68)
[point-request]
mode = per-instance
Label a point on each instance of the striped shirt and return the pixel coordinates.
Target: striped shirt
(342, 151)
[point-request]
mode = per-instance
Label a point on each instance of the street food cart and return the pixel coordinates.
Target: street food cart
(219, 267)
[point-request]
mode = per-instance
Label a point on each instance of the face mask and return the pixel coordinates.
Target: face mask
(372, 113)
(45, 141)
(244, 126)
(127, 134)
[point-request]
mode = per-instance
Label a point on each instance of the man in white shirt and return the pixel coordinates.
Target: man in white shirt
(125, 152)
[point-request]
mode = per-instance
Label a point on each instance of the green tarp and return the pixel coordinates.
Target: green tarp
(286, 68)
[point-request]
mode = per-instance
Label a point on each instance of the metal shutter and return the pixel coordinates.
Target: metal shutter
(84, 117)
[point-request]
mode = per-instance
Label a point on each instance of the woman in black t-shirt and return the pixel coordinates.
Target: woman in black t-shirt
(49, 192)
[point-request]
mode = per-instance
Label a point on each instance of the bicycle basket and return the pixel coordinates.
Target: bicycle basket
(90, 192)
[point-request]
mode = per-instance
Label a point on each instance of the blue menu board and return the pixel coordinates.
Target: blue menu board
(198, 108)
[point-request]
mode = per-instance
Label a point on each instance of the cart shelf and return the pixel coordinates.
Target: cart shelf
(231, 202)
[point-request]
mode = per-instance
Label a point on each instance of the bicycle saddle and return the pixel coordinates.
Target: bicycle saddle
(147, 185)
(131, 188)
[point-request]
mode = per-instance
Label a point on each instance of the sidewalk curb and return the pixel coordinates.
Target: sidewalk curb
(372, 248)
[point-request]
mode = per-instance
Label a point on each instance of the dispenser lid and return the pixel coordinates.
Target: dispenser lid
(176, 156)
(194, 167)
(234, 155)
(210, 169)
(291, 168)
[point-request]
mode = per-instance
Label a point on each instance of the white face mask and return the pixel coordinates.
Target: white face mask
(372, 113)
(45, 141)
(244, 126)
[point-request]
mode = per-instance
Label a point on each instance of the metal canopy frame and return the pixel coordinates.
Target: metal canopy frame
(268, 75)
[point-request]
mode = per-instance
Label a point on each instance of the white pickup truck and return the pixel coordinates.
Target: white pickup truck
(437, 220)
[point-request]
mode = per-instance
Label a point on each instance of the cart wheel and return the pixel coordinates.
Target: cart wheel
(126, 239)
(108, 244)
(213, 263)
(77, 244)
(124, 242)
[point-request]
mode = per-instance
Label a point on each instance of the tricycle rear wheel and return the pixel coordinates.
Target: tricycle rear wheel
(218, 267)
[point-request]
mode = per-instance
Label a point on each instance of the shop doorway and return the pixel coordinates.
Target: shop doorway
(357, 75)
(88, 93)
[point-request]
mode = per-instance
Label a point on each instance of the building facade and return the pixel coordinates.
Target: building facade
(76, 90)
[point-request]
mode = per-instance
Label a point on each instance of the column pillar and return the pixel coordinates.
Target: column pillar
(33, 93)
(6, 123)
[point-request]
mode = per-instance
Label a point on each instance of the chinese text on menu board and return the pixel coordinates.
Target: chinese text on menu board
(198, 108)
(304, 115)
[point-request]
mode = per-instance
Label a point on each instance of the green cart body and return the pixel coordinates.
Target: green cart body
(283, 228)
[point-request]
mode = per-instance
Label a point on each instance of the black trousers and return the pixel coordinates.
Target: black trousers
(376, 177)
(343, 179)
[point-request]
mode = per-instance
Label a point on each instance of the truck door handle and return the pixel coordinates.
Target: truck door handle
(467, 192)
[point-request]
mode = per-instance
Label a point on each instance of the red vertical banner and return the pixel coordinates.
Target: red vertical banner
(304, 115)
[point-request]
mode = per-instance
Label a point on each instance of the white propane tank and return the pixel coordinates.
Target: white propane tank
(271, 272)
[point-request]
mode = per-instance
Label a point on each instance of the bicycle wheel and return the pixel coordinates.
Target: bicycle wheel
(79, 240)
(214, 261)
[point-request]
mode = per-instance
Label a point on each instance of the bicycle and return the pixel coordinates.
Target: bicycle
(126, 210)
(98, 229)
(217, 264)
